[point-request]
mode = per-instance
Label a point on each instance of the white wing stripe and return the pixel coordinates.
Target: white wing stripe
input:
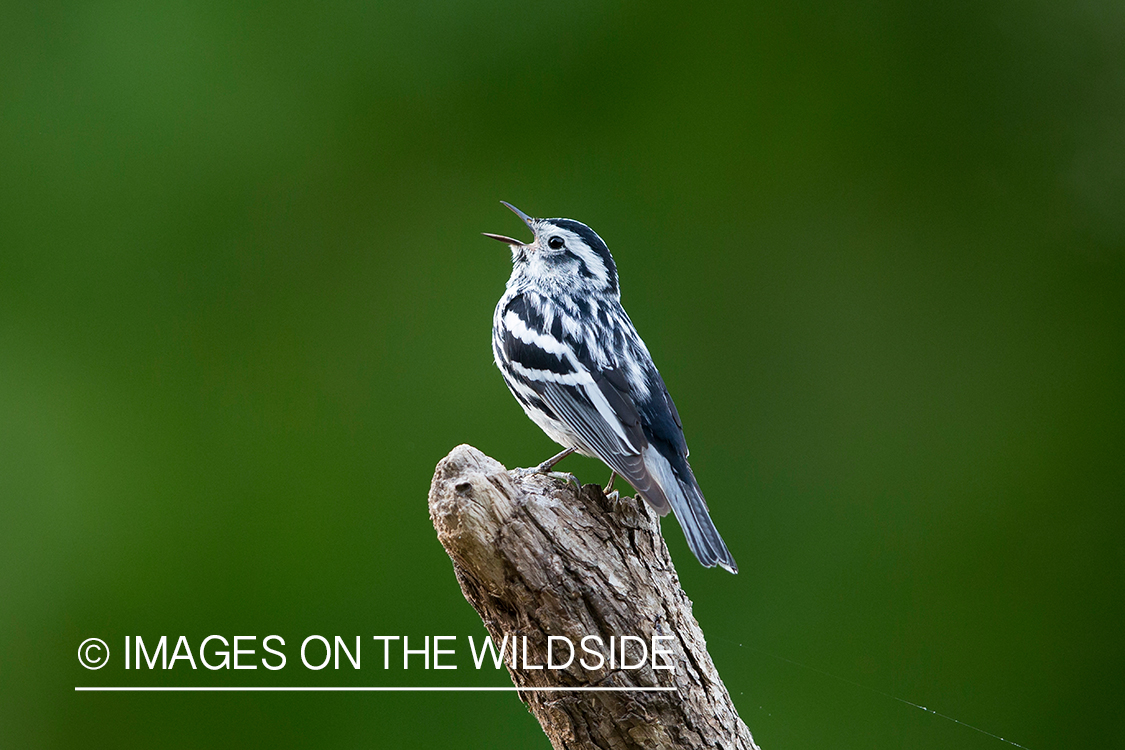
(544, 341)
(597, 398)
(546, 376)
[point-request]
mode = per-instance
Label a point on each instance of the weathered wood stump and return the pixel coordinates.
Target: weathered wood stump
(538, 558)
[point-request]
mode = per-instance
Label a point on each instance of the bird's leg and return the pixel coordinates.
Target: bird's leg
(546, 467)
(609, 492)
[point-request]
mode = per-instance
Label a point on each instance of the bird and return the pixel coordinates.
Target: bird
(573, 360)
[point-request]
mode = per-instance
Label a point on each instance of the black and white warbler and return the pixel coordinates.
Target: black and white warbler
(571, 357)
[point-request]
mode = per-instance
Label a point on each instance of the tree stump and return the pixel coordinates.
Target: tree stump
(538, 558)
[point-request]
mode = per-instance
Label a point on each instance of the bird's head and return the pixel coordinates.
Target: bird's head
(563, 255)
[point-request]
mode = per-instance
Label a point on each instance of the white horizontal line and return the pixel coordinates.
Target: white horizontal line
(262, 689)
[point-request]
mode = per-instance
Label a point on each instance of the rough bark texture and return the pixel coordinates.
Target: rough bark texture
(537, 558)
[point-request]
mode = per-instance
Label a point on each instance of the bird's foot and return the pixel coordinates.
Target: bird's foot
(546, 469)
(611, 494)
(565, 477)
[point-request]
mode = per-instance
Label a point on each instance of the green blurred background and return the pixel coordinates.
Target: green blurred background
(877, 250)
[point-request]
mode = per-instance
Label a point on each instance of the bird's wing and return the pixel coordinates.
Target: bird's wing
(659, 413)
(595, 403)
(589, 401)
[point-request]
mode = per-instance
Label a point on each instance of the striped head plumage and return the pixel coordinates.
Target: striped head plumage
(563, 256)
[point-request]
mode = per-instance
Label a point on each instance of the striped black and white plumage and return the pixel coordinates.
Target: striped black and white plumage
(571, 357)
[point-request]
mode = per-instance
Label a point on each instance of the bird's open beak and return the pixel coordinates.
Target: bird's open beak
(508, 240)
(502, 238)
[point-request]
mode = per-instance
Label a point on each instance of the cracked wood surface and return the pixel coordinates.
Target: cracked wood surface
(537, 558)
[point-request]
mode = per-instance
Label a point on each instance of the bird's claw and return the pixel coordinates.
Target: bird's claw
(544, 469)
(564, 476)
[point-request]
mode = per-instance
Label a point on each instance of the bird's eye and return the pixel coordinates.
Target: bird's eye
(555, 243)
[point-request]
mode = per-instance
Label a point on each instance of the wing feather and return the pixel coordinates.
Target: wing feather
(596, 403)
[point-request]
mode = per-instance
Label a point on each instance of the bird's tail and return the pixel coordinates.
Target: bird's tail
(685, 497)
